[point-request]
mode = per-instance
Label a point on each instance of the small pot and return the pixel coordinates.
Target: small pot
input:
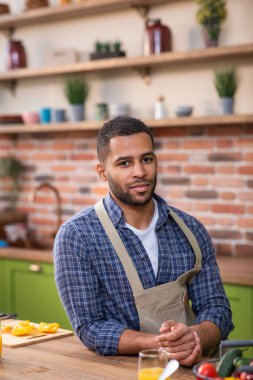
(227, 106)
(76, 112)
(211, 35)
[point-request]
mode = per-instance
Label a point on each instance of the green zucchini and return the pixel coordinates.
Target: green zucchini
(226, 367)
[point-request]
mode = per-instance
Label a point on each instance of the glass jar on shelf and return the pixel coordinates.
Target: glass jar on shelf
(157, 37)
(15, 55)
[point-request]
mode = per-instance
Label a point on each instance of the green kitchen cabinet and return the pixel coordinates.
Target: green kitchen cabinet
(30, 291)
(241, 302)
(2, 286)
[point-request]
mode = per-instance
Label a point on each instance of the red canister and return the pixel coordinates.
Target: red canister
(157, 37)
(16, 56)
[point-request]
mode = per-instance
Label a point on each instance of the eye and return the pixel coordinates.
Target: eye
(148, 160)
(124, 163)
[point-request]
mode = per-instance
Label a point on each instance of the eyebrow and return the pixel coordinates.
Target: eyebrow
(125, 158)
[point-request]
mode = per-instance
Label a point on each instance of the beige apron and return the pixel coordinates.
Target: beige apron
(163, 302)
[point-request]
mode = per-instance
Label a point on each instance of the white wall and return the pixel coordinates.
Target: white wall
(186, 84)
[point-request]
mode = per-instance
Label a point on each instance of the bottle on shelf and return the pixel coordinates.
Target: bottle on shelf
(160, 111)
(157, 37)
(15, 55)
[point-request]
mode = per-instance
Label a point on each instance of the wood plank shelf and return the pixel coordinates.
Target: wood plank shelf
(165, 59)
(65, 12)
(196, 121)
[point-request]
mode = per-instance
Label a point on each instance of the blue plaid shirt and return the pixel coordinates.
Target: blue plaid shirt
(95, 290)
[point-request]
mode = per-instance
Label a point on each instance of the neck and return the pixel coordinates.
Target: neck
(137, 216)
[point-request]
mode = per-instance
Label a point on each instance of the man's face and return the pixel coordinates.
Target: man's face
(130, 169)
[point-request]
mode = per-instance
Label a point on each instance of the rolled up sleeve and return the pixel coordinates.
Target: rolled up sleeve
(79, 289)
(209, 301)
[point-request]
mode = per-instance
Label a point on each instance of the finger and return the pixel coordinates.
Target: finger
(166, 325)
(181, 347)
(178, 355)
(195, 356)
(180, 336)
(192, 358)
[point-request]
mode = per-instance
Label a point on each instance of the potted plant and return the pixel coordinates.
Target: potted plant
(76, 91)
(226, 83)
(211, 14)
(10, 170)
(107, 50)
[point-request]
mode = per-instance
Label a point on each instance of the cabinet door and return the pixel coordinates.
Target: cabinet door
(32, 293)
(241, 302)
(3, 306)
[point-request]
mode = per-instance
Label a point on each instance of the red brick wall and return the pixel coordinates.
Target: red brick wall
(206, 171)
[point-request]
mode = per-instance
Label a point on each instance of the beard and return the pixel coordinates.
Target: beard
(130, 199)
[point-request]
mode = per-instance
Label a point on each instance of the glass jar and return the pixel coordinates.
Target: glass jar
(101, 111)
(15, 55)
(157, 37)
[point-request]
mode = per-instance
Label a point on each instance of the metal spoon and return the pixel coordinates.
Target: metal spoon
(170, 368)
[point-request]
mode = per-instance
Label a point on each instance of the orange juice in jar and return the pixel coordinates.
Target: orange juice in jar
(151, 364)
(152, 373)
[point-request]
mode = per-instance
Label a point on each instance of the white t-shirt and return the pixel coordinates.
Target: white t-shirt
(149, 239)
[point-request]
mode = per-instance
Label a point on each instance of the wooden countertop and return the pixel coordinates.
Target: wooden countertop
(234, 270)
(67, 359)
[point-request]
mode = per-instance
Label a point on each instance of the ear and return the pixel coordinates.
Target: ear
(101, 171)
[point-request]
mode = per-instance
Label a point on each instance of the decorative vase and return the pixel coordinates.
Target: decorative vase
(76, 112)
(211, 35)
(227, 106)
(15, 55)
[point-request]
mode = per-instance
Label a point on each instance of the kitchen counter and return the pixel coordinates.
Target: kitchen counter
(67, 359)
(234, 270)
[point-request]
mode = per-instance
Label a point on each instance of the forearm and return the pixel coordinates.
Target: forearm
(131, 342)
(209, 334)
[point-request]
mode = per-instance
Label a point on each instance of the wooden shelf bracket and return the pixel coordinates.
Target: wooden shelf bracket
(8, 32)
(10, 85)
(144, 72)
(142, 10)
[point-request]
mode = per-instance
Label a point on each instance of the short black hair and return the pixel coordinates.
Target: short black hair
(120, 126)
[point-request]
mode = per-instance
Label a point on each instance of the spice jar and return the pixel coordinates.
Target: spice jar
(15, 55)
(157, 37)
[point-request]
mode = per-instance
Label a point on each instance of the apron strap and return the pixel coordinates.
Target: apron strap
(119, 247)
(191, 238)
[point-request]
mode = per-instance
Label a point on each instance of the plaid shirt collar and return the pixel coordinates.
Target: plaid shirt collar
(116, 214)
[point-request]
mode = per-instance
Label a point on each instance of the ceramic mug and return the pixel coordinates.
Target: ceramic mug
(59, 115)
(45, 115)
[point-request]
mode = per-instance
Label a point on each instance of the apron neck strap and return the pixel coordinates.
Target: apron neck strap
(119, 247)
(191, 238)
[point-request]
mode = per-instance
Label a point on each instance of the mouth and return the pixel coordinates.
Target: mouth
(140, 187)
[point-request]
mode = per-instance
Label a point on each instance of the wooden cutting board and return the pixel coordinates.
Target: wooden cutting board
(10, 340)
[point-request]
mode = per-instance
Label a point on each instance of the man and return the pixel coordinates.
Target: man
(126, 267)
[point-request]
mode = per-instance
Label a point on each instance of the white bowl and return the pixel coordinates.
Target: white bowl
(118, 109)
(183, 111)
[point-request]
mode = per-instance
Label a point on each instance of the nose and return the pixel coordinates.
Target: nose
(139, 170)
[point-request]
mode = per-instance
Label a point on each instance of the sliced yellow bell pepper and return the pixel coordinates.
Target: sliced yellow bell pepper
(6, 329)
(22, 330)
(48, 327)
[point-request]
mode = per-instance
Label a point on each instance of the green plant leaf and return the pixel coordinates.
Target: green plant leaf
(226, 81)
(76, 89)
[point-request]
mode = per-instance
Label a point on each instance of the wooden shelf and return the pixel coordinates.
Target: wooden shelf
(94, 126)
(164, 59)
(66, 12)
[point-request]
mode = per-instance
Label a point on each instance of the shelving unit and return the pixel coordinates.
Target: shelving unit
(58, 13)
(200, 121)
(142, 62)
